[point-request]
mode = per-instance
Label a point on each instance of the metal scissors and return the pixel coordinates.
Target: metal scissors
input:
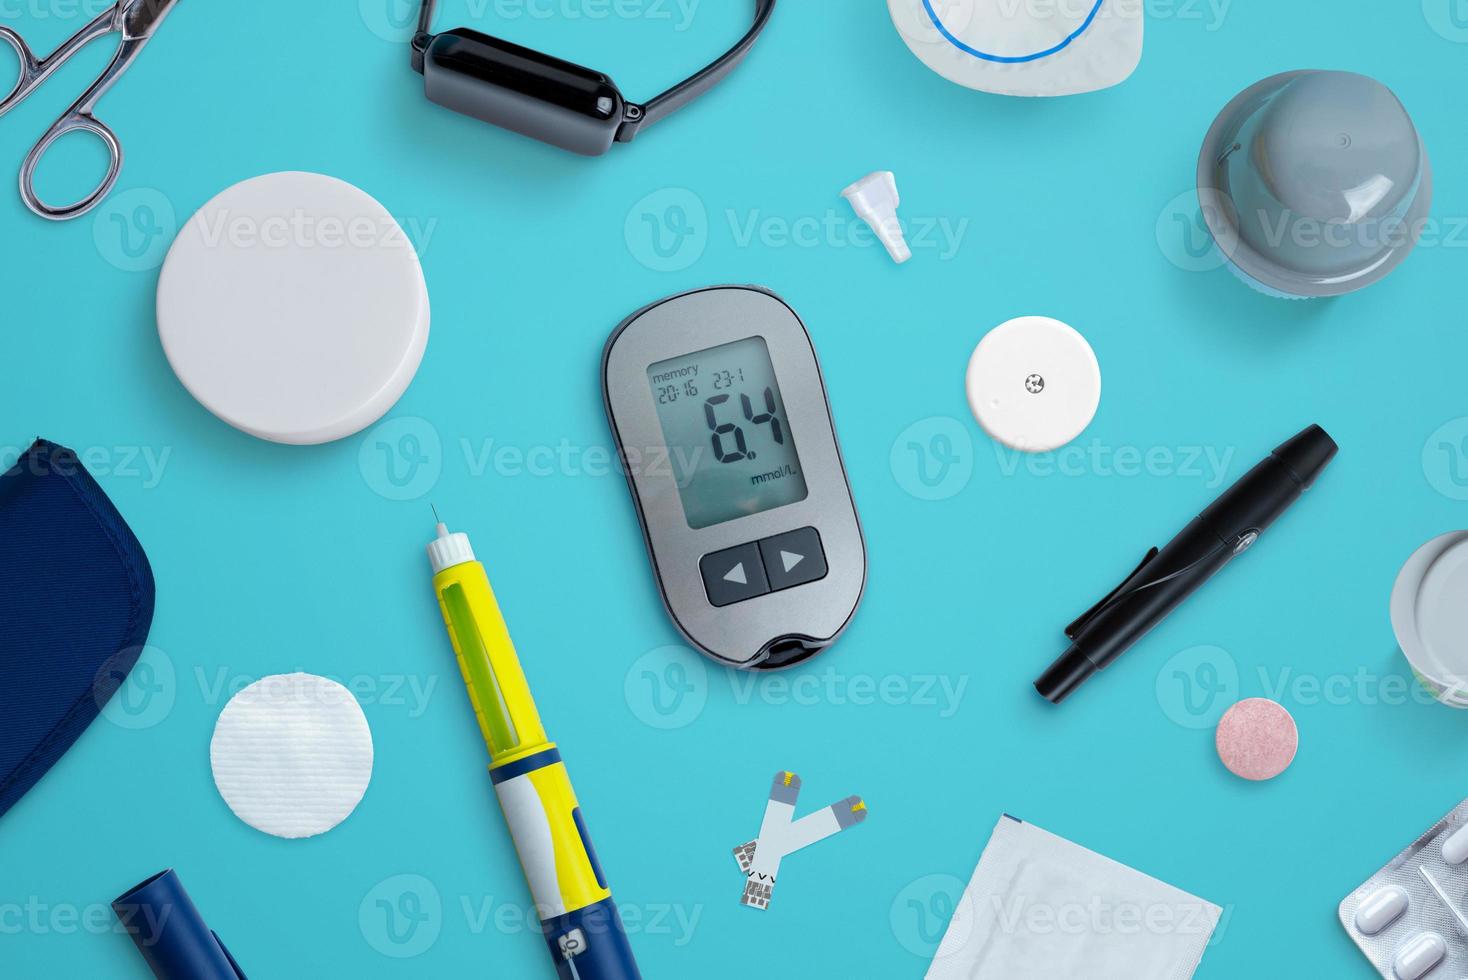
(136, 21)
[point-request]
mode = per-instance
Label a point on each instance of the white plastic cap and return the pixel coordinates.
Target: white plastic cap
(1429, 611)
(448, 550)
(876, 200)
(293, 306)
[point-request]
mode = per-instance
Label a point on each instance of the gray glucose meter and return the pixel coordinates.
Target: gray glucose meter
(719, 410)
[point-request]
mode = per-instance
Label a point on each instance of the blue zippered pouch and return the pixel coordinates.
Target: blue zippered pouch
(76, 602)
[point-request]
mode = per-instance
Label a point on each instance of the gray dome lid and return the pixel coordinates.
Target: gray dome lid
(1315, 183)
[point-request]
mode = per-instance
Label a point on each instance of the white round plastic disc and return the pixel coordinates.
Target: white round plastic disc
(293, 307)
(1430, 609)
(1034, 384)
(1442, 608)
(292, 755)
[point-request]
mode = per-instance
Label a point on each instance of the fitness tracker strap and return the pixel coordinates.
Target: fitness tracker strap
(634, 116)
(683, 93)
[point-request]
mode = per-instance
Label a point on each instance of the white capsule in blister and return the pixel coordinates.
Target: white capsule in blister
(1421, 953)
(1380, 909)
(1455, 848)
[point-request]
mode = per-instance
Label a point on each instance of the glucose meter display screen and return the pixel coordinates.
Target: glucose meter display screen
(729, 442)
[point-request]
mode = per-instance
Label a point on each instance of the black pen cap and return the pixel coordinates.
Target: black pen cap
(1065, 675)
(1308, 454)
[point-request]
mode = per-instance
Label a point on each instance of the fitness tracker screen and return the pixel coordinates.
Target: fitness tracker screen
(729, 442)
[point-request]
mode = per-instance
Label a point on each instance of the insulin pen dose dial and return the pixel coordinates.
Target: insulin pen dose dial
(718, 406)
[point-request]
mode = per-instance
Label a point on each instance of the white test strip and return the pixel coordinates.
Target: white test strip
(781, 835)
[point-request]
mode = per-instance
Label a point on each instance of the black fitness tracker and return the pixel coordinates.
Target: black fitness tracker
(545, 98)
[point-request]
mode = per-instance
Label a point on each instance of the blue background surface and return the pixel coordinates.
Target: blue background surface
(271, 559)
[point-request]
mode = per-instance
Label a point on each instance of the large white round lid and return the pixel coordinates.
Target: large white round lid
(1430, 609)
(293, 307)
(1034, 384)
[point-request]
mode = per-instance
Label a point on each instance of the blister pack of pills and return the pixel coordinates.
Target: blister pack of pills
(1411, 917)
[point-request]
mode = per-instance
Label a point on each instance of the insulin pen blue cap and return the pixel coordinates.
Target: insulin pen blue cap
(1314, 183)
(169, 932)
(76, 602)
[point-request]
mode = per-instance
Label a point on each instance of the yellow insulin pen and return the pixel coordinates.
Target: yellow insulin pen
(581, 924)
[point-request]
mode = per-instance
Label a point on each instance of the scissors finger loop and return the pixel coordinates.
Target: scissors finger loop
(69, 123)
(30, 69)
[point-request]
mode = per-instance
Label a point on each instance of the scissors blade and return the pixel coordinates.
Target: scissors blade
(138, 19)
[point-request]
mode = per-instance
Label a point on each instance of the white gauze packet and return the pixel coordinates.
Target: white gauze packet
(1041, 908)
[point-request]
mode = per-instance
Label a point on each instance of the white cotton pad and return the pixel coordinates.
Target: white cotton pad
(293, 307)
(292, 755)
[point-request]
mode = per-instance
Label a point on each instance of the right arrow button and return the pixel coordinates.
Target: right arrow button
(794, 558)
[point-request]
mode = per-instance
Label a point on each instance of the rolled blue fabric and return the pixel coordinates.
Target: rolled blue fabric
(169, 932)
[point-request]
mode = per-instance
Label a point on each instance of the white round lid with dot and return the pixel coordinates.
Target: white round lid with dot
(293, 307)
(1034, 384)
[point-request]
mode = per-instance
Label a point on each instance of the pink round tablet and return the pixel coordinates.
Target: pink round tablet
(1257, 739)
